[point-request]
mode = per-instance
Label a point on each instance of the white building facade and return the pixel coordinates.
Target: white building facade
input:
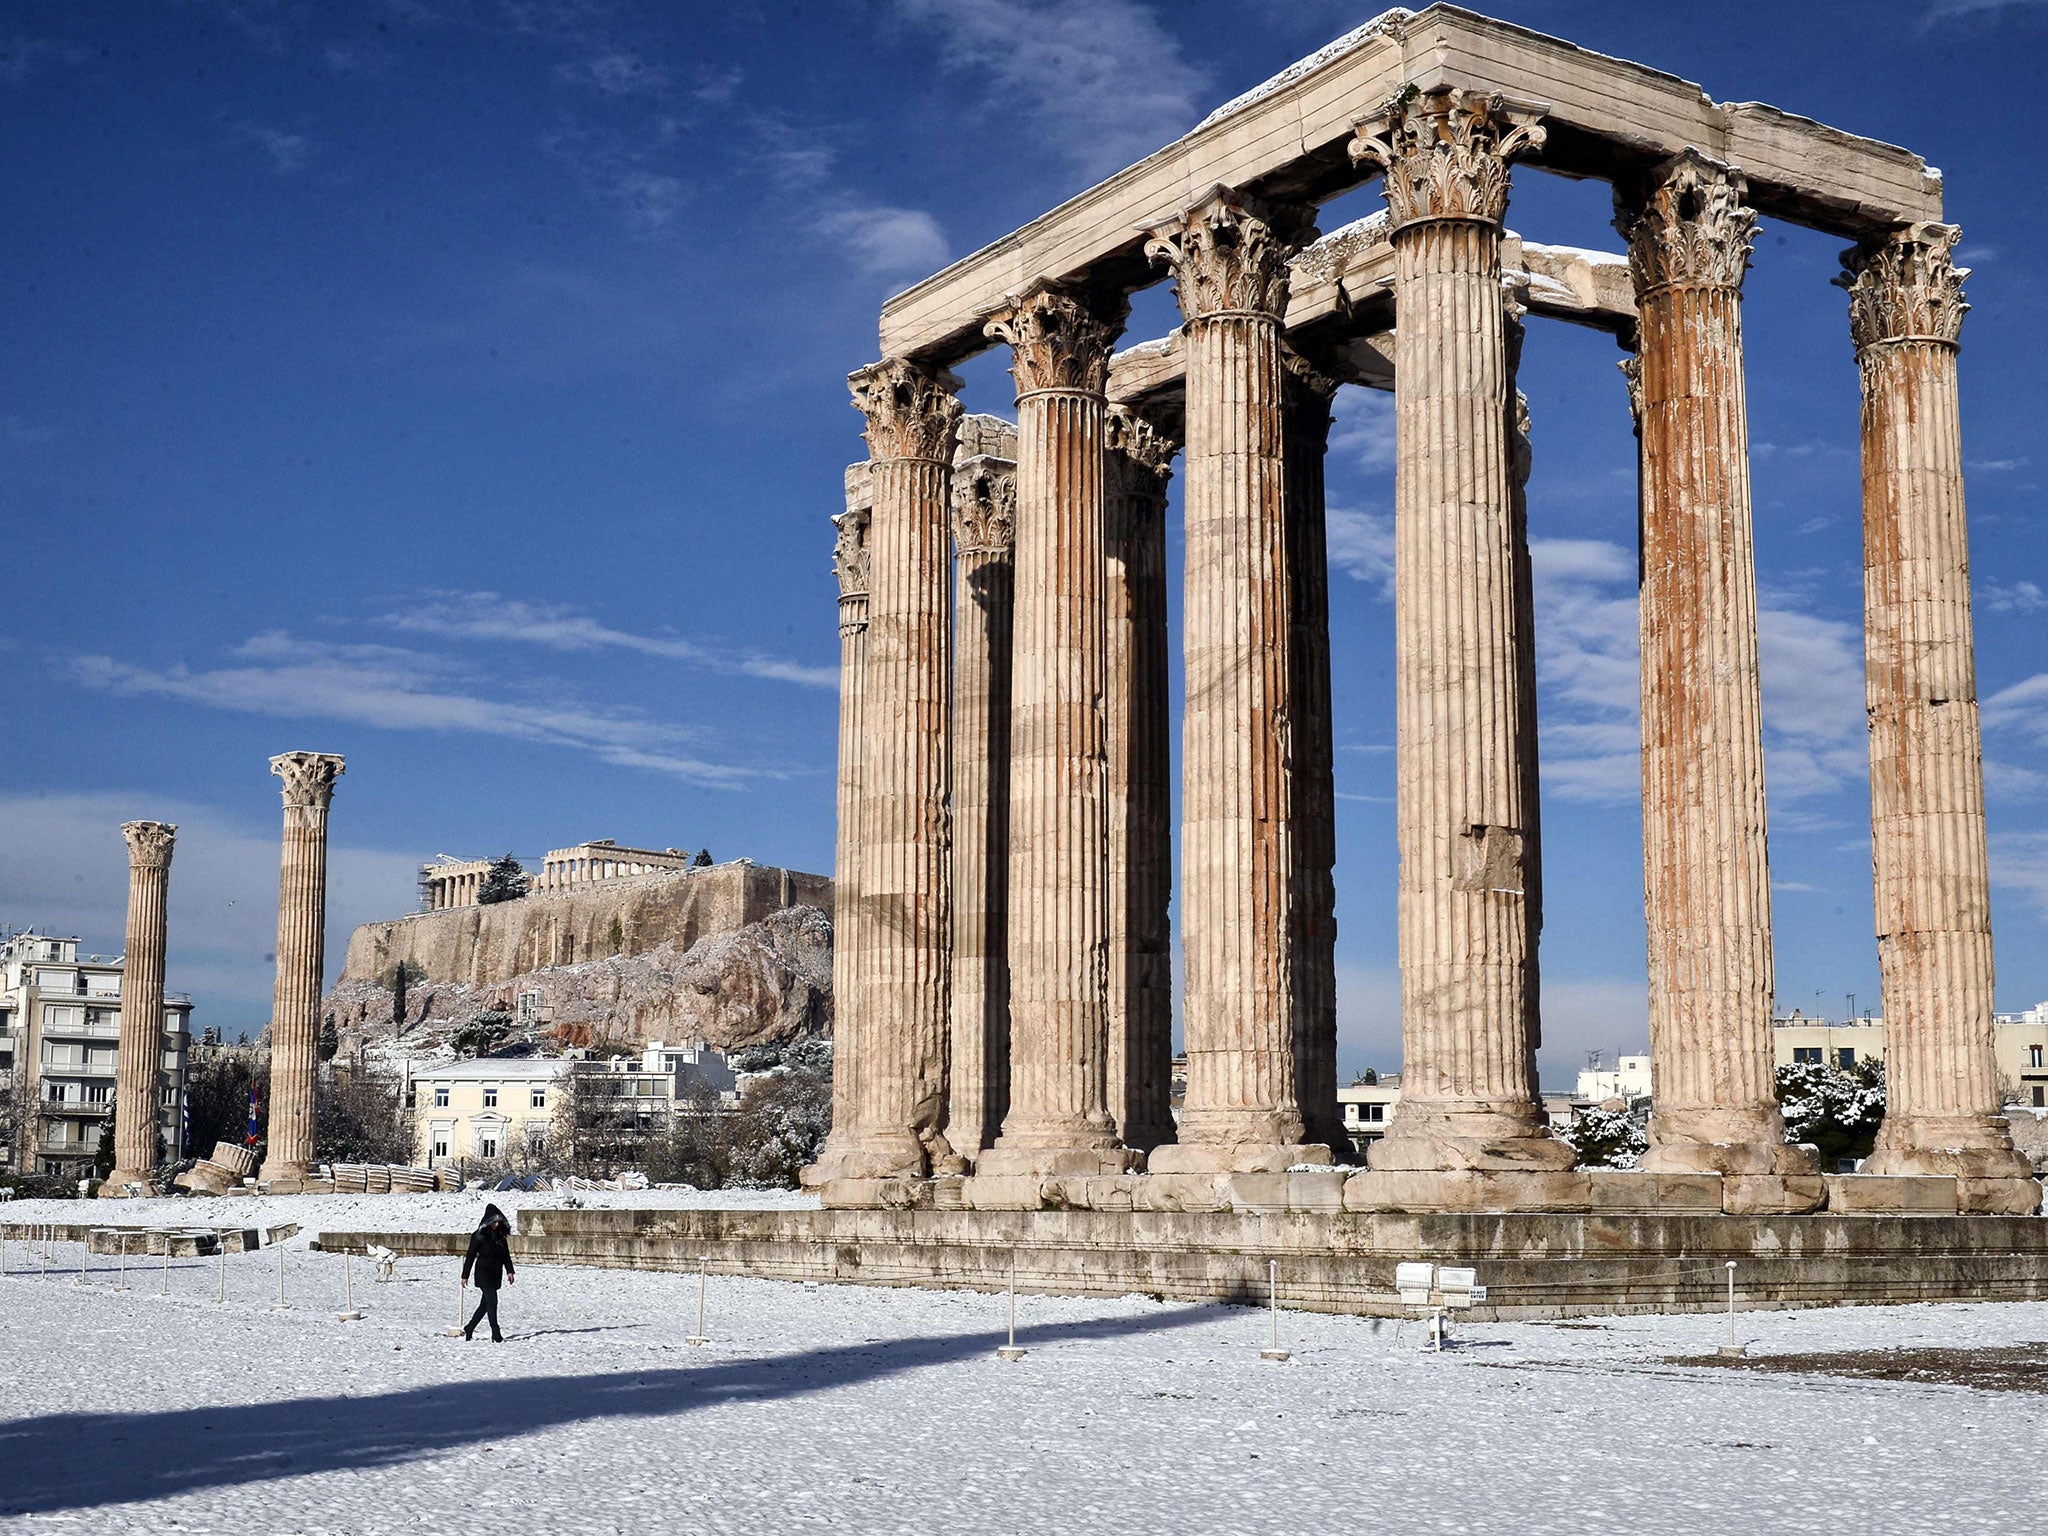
(60, 1034)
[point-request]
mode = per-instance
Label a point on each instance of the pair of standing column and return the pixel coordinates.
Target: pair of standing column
(294, 1034)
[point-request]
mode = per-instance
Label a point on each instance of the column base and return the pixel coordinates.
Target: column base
(1958, 1146)
(1445, 1137)
(115, 1185)
(1001, 1162)
(1739, 1143)
(1237, 1157)
(277, 1177)
(893, 1159)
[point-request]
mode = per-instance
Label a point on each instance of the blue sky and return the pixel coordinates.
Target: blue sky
(459, 385)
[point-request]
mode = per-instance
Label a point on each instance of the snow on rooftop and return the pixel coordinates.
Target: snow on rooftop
(1384, 22)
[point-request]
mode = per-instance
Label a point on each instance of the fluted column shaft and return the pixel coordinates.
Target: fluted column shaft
(301, 954)
(984, 523)
(1313, 936)
(1933, 895)
(1467, 938)
(1140, 794)
(850, 566)
(1238, 876)
(1058, 1120)
(138, 1147)
(897, 1092)
(1706, 875)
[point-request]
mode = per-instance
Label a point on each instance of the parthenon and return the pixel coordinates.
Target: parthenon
(1004, 964)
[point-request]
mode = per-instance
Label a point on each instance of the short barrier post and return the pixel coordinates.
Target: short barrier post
(1010, 1351)
(1731, 1350)
(280, 1305)
(698, 1337)
(1273, 1351)
(349, 1314)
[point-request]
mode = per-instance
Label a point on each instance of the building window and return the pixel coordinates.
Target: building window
(170, 1098)
(440, 1143)
(2039, 1094)
(536, 1141)
(100, 1093)
(1845, 1056)
(1802, 1054)
(538, 1099)
(1376, 1114)
(2033, 1055)
(491, 1098)
(487, 1144)
(440, 1096)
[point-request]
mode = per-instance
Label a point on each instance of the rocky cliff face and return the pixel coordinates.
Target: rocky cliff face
(765, 984)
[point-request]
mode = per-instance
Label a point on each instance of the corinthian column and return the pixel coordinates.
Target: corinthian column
(850, 567)
(1059, 827)
(1467, 931)
(138, 1147)
(1136, 471)
(301, 953)
(1926, 769)
(984, 532)
(1312, 939)
(1705, 873)
(897, 1071)
(1238, 878)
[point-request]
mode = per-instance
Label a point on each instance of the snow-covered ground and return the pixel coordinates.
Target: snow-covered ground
(876, 1410)
(451, 1212)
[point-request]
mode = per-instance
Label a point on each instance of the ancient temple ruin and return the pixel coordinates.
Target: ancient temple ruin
(1003, 974)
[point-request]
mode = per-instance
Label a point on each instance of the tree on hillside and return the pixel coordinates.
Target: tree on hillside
(703, 859)
(505, 881)
(400, 979)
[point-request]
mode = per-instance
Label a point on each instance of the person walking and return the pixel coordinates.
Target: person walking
(490, 1256)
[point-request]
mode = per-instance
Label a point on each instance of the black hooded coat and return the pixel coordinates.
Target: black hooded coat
(490, 1251)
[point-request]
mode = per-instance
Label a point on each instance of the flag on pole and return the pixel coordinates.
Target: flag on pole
(252, 1114)
(184, 1124)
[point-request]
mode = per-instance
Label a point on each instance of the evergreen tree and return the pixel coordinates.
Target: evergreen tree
(506, 881)
(703, 859)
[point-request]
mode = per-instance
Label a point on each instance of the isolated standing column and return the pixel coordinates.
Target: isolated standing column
(1467, 933)
(1238, 879)
(138, 1145)
(1933, 891)
(984, 529)
(1706, 874)
(301, 954)
(1059, 1123)
(1137, 468)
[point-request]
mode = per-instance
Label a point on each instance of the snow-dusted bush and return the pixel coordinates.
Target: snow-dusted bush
(1836, 1109)
(1604, 1138)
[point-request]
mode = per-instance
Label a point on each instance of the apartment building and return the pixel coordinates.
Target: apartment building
(60, 1036)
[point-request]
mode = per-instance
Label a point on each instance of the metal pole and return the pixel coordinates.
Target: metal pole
(1732, 1348)
(165, 1289)
(85, 1257)
(121, 1243)
(698, 1337)
(220, 1295)
(1010, 1351)
(281, 1304)
(1273, 1351)
(349, 1314)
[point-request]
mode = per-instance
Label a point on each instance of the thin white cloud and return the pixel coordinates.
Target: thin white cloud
(490, 616)
(1998, 466)
(888, 242)
(615, 72)
(1361, 545)
(2014, 597)
(1102, 82)
(1362, 428)
(1964, 10)
(64, 867)
(2019, 862)
(394, 689)
(287, 152)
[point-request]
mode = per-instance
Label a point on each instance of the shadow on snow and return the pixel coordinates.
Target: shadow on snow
(84, 1460)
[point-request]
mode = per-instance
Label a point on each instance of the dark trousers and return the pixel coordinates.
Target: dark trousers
(487, 1306)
